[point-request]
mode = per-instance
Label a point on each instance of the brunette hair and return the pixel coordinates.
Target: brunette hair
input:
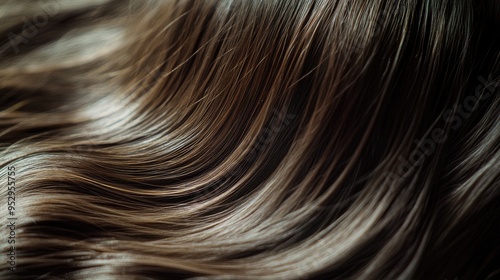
(247, 139)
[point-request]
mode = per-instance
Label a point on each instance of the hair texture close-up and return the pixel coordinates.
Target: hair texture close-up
(250, 139)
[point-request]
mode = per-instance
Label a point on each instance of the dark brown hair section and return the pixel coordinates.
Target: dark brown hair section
(250, 139)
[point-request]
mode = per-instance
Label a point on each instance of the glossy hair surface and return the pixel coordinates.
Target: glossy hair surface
(251, 139)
